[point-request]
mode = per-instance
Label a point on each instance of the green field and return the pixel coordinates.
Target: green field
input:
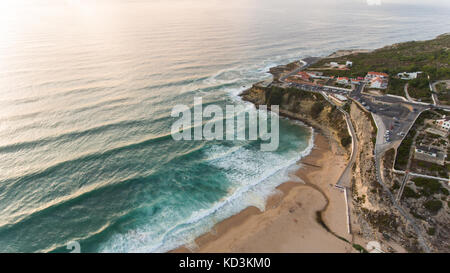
(443, 93)
(431, 57)
(419, 89)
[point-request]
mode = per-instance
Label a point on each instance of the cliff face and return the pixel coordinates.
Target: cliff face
(364, 177)
(311, 108)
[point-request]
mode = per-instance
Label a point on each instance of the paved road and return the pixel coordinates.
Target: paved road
(292, 73)
(434, 92)
(345, 179)
(407, 94)
(402, 187)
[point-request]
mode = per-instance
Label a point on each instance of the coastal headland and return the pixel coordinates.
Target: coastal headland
(352, 198)
(306, 216)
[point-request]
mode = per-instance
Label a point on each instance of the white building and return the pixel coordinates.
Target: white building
(355, 81)
(444, 123)
(378, 83)
(349, 64)
(372, 75)
(427, 150)
(334, 64)
(340, 98)
(315, 75)
(408, 75)
(342, 80)
(429, 154)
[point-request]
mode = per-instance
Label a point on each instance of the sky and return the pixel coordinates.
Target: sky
(12, 7)
(369, 2)
(434, 2)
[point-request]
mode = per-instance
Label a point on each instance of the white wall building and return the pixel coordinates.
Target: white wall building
(342, 80)
(444, 123)
(408, 75)
(334, 64)
(378, 83)
(355, 81)
(340, 97)
(372, 75)
(315, 75)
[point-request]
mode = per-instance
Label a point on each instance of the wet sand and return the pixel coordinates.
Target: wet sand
(289, 222)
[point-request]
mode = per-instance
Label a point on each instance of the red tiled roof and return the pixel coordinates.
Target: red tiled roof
(378, 74)
(377, 79)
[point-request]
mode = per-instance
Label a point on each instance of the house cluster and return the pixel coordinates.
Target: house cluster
(307, 76)
(348, 81)
(304, 77)
(377, 80)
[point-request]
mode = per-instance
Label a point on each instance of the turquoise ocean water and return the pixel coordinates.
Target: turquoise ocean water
(86, 91)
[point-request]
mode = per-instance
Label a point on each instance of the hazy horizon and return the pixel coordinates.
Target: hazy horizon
(86, 92)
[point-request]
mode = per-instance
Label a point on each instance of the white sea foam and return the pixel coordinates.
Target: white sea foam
(250, 192)
(254, 176)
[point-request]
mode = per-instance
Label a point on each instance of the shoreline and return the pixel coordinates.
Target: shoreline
(289, 222)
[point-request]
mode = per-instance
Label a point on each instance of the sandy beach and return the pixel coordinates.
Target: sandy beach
(289, 222)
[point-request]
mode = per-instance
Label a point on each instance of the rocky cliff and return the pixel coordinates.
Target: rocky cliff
(308, 107)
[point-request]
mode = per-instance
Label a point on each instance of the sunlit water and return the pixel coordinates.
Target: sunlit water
(86, 93)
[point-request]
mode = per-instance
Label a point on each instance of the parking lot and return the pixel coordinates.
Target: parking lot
(317, 88)
(396, 115)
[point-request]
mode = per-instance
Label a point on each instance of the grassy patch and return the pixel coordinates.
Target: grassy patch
(433, 206)
(359, 248)
(316, 109)
(396, 87)
(346, 107)
(429, 186)
(420, 89)
(443, 93)
(385, 222)
(395, 187)
(431, 168)
(346, 141)
(410, 193)
(431, 57)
